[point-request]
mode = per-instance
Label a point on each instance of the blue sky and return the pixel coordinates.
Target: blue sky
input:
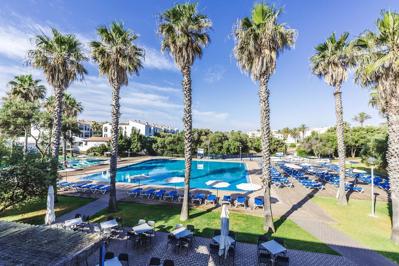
(223, 97)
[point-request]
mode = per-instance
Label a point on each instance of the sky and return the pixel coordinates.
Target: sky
(224, 98)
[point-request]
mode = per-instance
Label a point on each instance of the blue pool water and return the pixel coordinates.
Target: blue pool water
(161, 169)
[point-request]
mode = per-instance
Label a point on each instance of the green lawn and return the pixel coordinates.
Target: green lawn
(247, 227)
(34, 210)
(354, 220)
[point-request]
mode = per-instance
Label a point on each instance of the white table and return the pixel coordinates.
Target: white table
(273, 247)
(181, 232)
(112, 262)
(142, 228)
(73, 222)
(108, 224)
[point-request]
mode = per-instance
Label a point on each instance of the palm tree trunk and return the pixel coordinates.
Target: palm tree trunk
(64, 149)
(265, 138)
(112, 204)
(26, 141)
(188, 137)
(341, 145)
(393, 167)
(58, 94)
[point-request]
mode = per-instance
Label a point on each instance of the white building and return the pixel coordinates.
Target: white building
(254, 134)
(85, 129)
(93, 142)
(145, 128)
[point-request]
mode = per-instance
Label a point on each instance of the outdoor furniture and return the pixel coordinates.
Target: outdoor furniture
(142, 228)
(109, 255)
(148, 193)
(172, 240)
(282, 260)
(181, 232)
(273, 247)
(104, 189)
(124, 257)
(226, 199)
(159, 194)
(141, 221)
(151, 223)
(217, 239)
(135, 192)
(240, 201)
(198, 198)
(108, 225)
(214, 249)
(216, 232)
(168, 263)
(172, 195)
(112, 262)
(154, 261)
(73, 222)
(265, 259)
(258, 203)
(184, 242)
(211, 199)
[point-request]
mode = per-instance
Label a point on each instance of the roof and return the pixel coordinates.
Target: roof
(25, 244)
(98, 139)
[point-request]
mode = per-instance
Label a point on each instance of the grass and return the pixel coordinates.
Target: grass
(354, 220)
(247, 227)
(33, 211)
(362, 166)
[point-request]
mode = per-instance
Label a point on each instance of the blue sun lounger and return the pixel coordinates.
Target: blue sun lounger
(199, 198)
(104, 189)
(134, 192)
(258, 203)
(211, 199)
(172, 195)
(95, 188)
(226, 199)
(240, 201)
(147, 193)
(159, 194)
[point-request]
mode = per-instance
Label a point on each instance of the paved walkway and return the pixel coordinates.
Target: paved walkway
(91, 208)
(313, 219)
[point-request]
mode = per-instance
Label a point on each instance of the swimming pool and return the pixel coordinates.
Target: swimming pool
(84, 162)
(159, 170)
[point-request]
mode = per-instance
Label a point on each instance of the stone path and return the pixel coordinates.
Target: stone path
(91, 208)
(313, 219)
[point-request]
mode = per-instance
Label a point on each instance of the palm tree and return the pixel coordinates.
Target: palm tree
(72, 108)
(24, 87)
(378, 61)
(184, 33)
(60, 56)
(331, 62)
(286, 132)
(117, 57)
(302, 128)
(361, 118)
(259, 40)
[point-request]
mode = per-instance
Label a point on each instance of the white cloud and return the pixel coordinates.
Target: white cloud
(157, 60)
(214, 73)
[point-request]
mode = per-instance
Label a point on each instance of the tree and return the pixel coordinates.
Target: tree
(97, 128)
(136, 141)
(27, 89)
(17, 116)
(302, 128)
(378, 61)
(25, 177)
(285, 132)
(117, 57)
(361, 118)
(259, 40)
(184, 33)
(331, 62)
(60, 57)
(295, 134)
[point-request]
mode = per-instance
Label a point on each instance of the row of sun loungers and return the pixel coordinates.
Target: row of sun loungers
(197, 198)
(84, 187)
